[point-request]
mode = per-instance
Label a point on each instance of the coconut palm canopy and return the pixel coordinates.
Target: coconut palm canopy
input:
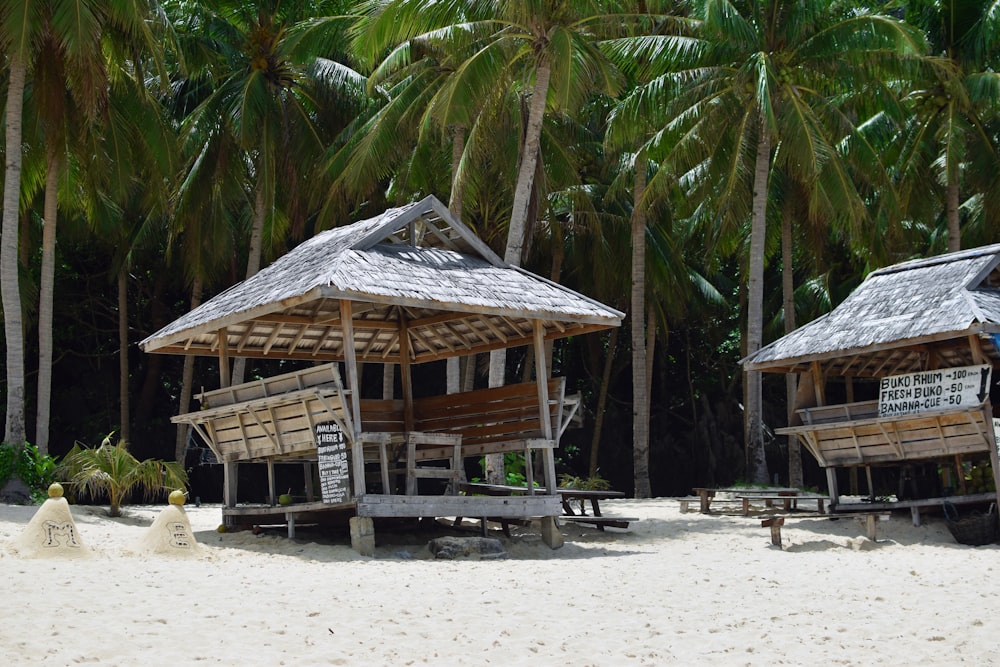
(414, 278)
(901, 319)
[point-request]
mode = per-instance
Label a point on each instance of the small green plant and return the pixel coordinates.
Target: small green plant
(513, 469)
(25, 463)
(595, 483)
(111, 471)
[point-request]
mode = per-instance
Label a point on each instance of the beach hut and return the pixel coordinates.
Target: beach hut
(410, 286)
(920, 340)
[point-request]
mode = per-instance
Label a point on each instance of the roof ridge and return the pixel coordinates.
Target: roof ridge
(934, 260)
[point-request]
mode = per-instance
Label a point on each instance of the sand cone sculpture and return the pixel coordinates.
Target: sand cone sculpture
(171, 532)
(52, 533)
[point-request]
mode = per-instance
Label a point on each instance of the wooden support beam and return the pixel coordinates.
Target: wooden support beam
(272, 496)
(225, 377)
(542, 381)
(353, 383)
(831, 483)
(307, 469)
(992, 440)
(405, 374)
(977, 349)
(230, 473)
(819, 383)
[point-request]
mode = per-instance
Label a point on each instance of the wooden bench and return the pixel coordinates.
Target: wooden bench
(870, 520)
(483, 421)
(685, 502)
(914, 505)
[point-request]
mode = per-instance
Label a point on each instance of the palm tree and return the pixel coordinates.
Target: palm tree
(69, 94)
(113, 472)
(265, 65)
(948, 140)
(764, 74)
(516, 47)
(20, 30)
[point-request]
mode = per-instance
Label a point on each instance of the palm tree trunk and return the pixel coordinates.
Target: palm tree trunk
(528, 164)
(640, 381)
(788, 300)
(951, 207)
(126, 429)
(602, 402)
(187, 382)
(515, 230)
(9, 284)
(453, 365)
(457, 185)
(253, 264)
(45, 291)
(753, 414)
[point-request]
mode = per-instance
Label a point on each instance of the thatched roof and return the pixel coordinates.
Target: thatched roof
(899, 318)
(414, 267)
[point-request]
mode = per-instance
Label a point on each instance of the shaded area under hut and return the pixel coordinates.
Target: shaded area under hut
(410, 286)
(899, 376)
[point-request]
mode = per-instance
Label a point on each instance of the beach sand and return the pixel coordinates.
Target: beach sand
(674, 589)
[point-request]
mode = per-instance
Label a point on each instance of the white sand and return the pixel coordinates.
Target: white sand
(676, 589)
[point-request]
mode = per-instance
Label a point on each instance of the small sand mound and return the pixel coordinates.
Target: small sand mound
(52, 533)
(170, 534)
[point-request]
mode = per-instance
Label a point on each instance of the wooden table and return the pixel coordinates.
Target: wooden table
(568, 496)
(788, 501)
(744, 494)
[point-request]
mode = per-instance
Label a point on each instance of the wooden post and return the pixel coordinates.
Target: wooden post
(272, 498)
(774, 523)
(351, 364)
(308, 471)
(225, 377)
(849, 389)
(831, 483)
(991, 438)
(977, 349)
(542, 380)
(406, 379)
(819, 383)
(819, 387)
(230, 474)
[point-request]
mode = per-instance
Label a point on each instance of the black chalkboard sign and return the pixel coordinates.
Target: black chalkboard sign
(334, 474)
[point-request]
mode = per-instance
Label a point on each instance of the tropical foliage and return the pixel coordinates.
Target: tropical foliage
(720, 170)
(110, 471)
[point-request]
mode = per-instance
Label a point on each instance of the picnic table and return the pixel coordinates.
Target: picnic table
(569, 497)
(788, 497)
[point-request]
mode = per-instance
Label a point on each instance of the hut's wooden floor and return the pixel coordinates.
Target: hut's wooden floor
(389, 506)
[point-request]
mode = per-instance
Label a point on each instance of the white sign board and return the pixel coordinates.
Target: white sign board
(965, 386)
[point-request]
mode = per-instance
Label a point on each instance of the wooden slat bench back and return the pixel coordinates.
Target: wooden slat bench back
(488, 419)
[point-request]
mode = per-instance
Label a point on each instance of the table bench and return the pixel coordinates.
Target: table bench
(870, 520)
(567, 495)
(788, 501)
(685, 503)
(707, 495)
(914, 505)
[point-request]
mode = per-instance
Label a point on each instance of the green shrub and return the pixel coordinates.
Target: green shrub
(595, 483)
(25, 463)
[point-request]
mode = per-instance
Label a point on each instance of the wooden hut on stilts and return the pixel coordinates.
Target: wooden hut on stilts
(410, 286)
(919, 342)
